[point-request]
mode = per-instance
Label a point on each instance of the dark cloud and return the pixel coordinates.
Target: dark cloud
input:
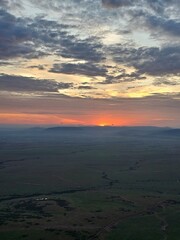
(87, 69)
(159, 82)
(88, 49)
(57, 5)
(171, 27)
(5, 63)
(123, 77)
(116, 3)
(13, 83)
(40, 67)
(3, 3)
(36, 38)
(57, 38)
(17, 38)
(156, 5)
(162, 22)
(160, 17)
(153, 61)
(82, 87)
(48, 32)
(13, 35)
(10, 4)
(160, 61)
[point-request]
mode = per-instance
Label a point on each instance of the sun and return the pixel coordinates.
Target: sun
(102, 125)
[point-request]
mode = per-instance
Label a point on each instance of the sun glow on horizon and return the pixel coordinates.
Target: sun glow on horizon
(103, 125)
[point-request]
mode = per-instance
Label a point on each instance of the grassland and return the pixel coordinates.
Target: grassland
(89, 184)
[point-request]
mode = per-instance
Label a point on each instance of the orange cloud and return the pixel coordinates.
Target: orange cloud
(110, 119)
(21, 118)
(42, 119)
(92, 118)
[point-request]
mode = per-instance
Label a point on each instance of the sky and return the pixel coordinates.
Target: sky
(90, 62)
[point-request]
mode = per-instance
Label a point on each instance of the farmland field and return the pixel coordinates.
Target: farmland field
(90, 183)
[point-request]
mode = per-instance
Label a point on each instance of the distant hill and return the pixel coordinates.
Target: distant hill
(129, 128)
(124, 131)
(58, 129)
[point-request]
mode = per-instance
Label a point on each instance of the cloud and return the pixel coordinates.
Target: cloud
(154, 61)
(156, 5)
(160, 25)
(57, 38)
(13, 36)
(3, 3)
(159, 82)
(84, 51)
(13, 83)
(39, 67)
(116, 3)
(123, 77)
(10, 4)
(87, 69)
(138, 111)
(159, 17)
(82, 87)
(160, 62)
(35, 38)
(16, 39)
(5, 63)
(88, 49)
